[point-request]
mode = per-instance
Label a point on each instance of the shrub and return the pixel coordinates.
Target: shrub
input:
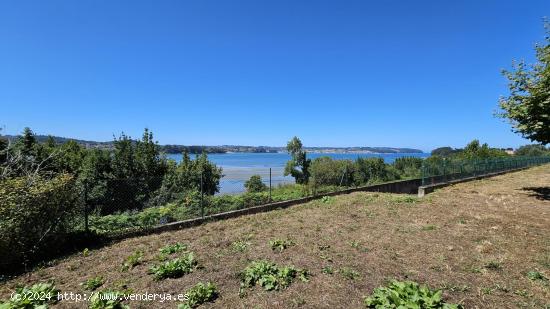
(25, 297)
(199, 294)
(406, 294)
(270, 276)
(408, 167)
(107, 299)
(93, 283)
(326, 171)
(35, 217)
(175, 268)
(255, 184)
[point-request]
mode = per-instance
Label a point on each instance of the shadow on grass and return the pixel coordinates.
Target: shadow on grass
(541, 193)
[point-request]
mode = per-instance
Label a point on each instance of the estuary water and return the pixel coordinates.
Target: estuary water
(238, 167)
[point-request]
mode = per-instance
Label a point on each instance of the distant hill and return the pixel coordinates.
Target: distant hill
(228, 148)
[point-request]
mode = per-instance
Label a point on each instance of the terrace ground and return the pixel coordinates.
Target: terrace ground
(476, 241)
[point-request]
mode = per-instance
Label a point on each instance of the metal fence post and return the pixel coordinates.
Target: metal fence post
(270, 184)
(202, 196)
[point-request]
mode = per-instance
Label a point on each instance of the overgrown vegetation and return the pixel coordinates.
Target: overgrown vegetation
(407, 294)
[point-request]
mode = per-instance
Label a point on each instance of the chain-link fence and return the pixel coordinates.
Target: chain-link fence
(119, 206)
(437, 170)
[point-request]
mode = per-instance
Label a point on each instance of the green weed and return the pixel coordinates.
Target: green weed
(93, 283)
(270, 276)
(132, 260)
(39, 295)
(175, 268)
(406, 294)
(199, 294)
(280, 244)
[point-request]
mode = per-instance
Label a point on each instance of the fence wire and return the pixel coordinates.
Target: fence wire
(437, 170)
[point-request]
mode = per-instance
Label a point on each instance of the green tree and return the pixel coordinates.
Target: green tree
(527, 107)
(532, 150)
(255, 184)
(298, 165)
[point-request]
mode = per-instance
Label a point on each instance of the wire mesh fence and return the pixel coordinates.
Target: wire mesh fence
(437, 170)
(119, 206)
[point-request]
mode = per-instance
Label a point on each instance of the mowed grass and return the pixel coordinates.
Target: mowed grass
(485, 243)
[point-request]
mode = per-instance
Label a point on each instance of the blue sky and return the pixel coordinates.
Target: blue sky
(336, 73)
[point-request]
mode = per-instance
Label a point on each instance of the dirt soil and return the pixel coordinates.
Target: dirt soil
(476, 241)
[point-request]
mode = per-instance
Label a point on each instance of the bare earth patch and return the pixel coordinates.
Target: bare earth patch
(477, 241)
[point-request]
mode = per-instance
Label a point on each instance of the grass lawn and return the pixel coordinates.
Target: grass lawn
(480, 242)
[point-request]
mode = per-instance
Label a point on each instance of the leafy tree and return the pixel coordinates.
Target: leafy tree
(527, 107)
(474, 150)
(255, 184)
(298, 166)
(444, 151)
(371, 170)
(326, 171)
(532, 150)
(408, 167)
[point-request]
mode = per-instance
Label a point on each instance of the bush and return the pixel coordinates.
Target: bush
(407, 294)
(35, 217)
(328, 172)
(255, 184)
(199, 294)
(373, 170)
(408, 167)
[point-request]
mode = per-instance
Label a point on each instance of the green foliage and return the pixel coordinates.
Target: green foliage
(270, 276)
(349, 273)
(174, 248)
(35, 216)
(372, 170)
(108, 299)
(298, 166)
(240, 245)
(175, 268)
(408, 167)
(407, 294)
(326, 171)
(527, 107)
(280, 244)
(93, 283)
(255, 184)
(535, 275)
(39, 295)
(199, 294)
(532, 151)
(133, 260)
(445, 151)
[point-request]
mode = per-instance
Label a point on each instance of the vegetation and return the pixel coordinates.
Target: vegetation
(108, 299)
(255, 184)
(534, 150)
(93, 283)
(406, 294)
(199, 294)
(280, 244)
(175, 268)
(270, 276)
(133, 260)
(298, 166)
(527, 107)
(39, 295)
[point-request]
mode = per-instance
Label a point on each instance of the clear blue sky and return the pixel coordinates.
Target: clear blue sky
(336, 73)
